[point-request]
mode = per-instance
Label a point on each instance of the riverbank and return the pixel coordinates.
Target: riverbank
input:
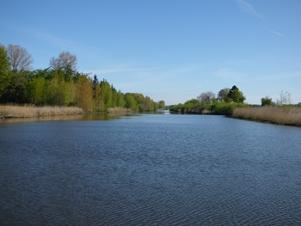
(54, 112)
(31, 111)
(119, 111)
(284, 115)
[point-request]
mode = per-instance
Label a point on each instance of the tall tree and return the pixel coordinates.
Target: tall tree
(130, 102)
(236, 95)
(95, 85)
(84, 93)
(65, 61)
(19, 58)
(106, 93)
(4, 70)
(161, 104)
(120, 99)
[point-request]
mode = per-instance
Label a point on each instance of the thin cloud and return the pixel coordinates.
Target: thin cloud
(277, 33)
(247, 7)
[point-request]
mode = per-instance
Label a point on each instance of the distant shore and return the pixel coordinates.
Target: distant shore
(282, 115)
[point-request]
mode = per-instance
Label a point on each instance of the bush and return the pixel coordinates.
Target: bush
(266, 101)
(223, 108)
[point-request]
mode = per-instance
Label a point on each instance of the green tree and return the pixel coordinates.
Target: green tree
(236, 95)
(38, 91)
(84, 93)
(130, 102)
(114, 97)
(161, 104)
(120, 100)
(106, 93)
(18, 88)
(266, 101)
(4, 70)
(55, 92)
(98, 101)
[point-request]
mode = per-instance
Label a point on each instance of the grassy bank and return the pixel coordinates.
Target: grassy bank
(30, 111)
(285, 115)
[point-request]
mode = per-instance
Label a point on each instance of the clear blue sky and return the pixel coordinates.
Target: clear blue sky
(171, 50)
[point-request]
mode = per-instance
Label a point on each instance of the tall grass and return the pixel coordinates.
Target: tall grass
(30, 111)
(119, 111)
(286, 115)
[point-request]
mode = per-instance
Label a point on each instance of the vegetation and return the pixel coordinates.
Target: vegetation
(11, 111)
(230, 102)
(287, 115)
(207, 103)
(61, 85)
(266, 101)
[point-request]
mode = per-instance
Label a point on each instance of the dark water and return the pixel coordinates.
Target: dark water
(150, 170)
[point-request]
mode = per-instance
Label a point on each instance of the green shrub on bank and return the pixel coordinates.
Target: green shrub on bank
(197, 107)
(223, 108)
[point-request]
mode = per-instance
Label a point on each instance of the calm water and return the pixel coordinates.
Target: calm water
(150, 170)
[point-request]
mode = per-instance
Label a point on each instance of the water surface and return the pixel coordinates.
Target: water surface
(150, 170)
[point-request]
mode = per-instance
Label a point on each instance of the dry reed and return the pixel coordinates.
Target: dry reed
(30, 111)
(119, 111)
(286, 115)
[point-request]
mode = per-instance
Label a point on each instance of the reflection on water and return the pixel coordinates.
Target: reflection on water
(150, 170)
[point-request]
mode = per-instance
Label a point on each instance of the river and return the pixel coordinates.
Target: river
(150, 170)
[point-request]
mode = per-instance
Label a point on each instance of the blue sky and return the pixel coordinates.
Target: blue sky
(171, 50)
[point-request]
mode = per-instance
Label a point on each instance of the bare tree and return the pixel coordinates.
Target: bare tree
(223, 94)
(64, 61)
(206, 97)
(285, 98)
(19, 58)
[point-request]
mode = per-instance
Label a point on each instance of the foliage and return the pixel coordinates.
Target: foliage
(206, 103)
(266, 101)
(161, 104)
(236, 95)
(4, 70)
(62, 85)
(223, 95)
(225, 108)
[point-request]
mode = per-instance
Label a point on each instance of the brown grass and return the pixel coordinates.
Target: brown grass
(119, 111)
(286, 115)
(30, 111)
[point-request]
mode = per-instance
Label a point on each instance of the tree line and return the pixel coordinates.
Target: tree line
(222, 103)
(61, 84)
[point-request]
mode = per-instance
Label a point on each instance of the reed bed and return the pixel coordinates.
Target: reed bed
(286, 115)
(30, 111)
(119, 111)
